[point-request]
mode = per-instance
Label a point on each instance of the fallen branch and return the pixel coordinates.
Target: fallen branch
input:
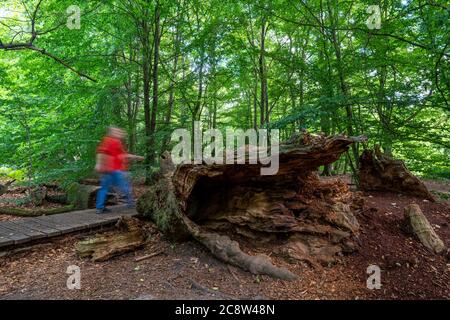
(417, 223)
(148, 256)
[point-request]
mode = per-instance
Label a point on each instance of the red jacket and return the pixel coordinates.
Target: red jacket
(113, 148)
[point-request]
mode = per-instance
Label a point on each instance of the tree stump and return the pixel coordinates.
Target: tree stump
(418, 224)
(379, 172)
(57, 198)
(212, 203)
(83, 196)
(37, 195)
(5, 187)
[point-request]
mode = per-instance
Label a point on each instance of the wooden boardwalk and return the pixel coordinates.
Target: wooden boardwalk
(17, 232)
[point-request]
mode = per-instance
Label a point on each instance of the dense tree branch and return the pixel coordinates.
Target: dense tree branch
(369, 32)
(30, 43)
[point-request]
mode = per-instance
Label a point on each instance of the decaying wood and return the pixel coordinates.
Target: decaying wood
(130, 237)
(91, 181)
(57, 198)
(379, 172)
(229, 251)
(34, 212)
(208, 201)
(417, 223)
(4, 187)
(37, 195)
(83, 196)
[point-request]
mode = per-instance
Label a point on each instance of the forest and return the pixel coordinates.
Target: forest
(154, 66)
(359, 92)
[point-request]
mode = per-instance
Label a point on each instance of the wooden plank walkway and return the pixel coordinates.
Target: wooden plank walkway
(17, 232)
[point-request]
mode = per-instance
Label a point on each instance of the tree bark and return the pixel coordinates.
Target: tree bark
(104, 247)
(144, 32)
(417, 223)
(264, 105)
(157, 38)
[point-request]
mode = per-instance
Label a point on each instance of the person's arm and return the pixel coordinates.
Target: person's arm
(101, 162)
(130, 156)
(125, 156)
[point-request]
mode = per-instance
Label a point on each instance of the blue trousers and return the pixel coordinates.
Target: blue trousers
(117, 179)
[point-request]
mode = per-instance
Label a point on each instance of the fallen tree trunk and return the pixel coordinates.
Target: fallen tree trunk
(417, 223)
(104, 247)
(23, 212)
(207, 201)
(379, 172)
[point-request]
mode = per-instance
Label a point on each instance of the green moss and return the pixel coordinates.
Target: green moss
(78, 195)
(160, 204)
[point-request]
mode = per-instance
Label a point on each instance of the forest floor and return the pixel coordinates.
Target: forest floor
(187, 271)
(18, 198)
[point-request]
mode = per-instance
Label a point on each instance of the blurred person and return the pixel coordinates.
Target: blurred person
(111, 163)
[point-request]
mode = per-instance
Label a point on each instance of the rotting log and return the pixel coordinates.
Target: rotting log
(130, 237)
(24, 212)
(416, 223)
(379, 172)
(83, 196)
(219, 203)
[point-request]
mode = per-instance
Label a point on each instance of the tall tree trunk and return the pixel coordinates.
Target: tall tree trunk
(171, 101)
(255, 101)
(146, 64)
(156, 39)
(264, 105)
(135, 110)
(196, 114)
(214, 115)
(342, 82)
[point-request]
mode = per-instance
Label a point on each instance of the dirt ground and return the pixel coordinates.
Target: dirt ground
(188, 271)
